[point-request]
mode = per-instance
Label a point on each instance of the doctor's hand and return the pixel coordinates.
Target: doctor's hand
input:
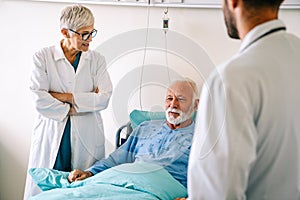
(78, 175)
(72, 111)
(63, 97)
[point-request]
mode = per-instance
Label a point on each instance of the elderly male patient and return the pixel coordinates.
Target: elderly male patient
(163, 142)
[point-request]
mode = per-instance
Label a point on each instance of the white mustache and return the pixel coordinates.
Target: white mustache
(182, 116)
(174, 110)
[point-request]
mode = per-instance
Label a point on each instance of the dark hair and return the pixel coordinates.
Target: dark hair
(257, 4)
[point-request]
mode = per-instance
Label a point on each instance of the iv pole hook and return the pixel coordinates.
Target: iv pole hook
(166, 11)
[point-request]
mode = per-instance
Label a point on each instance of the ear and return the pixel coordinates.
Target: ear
(65, 32)
(232, 4)
(196, 104)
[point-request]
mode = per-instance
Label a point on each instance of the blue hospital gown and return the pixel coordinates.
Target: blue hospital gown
(155, 142)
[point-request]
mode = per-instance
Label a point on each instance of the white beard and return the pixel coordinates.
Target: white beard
(182, 116)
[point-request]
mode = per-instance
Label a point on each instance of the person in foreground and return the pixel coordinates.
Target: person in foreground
(163, 142)
(70, 87)
(246, 145)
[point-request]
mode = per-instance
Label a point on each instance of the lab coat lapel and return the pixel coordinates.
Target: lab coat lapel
(85, 57)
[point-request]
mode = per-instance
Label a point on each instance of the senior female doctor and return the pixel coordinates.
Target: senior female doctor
(70, 87)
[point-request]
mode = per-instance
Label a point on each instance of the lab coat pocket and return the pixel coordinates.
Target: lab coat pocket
(87, 133)
(38, 131)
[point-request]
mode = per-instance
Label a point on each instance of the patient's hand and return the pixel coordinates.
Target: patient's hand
(78, 175)
(96, 90)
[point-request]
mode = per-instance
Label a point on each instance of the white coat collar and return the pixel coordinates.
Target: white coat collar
(59, 54)
(259, 30)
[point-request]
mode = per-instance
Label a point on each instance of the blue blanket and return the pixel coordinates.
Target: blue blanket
(137, 180)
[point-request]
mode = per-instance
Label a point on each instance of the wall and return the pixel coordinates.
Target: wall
(27, 26)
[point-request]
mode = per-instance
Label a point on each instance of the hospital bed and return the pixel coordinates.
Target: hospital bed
(132, 181)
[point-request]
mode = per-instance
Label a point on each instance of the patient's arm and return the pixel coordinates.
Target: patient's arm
(78, 175)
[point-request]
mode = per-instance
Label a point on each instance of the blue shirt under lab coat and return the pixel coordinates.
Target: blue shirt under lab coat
(155, 142)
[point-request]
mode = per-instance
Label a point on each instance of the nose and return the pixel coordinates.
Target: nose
(90, 38)
(174, 103)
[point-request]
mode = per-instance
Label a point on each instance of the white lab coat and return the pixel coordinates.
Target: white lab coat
(53, 72)
(246, 141)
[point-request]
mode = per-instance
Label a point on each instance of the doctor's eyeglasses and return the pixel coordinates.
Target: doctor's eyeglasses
(86, 36)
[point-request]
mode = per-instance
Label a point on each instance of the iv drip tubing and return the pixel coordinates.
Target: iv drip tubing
(166, 56)
(166, 43)
(144, 57)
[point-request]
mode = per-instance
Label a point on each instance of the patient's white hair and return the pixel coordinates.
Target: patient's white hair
(193, 86)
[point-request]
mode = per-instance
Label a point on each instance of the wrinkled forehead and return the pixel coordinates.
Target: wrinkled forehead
(180, 89)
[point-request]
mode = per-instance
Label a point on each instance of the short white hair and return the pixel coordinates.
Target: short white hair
(192, 84)
(75, 17)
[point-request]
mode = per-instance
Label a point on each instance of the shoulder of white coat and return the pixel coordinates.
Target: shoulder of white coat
(95, 55)
(238, 69)
(45, 50)
(43, 54)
